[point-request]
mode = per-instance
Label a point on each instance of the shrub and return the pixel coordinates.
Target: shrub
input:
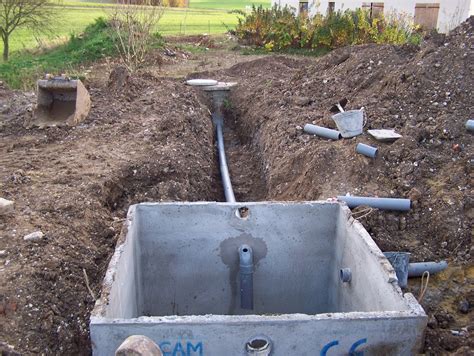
(280, 28)
(133, 31)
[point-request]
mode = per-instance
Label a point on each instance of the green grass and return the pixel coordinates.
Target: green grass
(66, 50)
(95, 43)
(226, 4)
(76, 15)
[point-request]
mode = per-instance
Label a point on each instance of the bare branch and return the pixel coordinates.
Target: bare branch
(134, 22)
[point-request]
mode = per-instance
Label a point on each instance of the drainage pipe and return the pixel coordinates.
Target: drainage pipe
(246, 276)
(226, 183)
(417, 269)
(470, 125)
(378, 203)
(322, 132)
(366, 150)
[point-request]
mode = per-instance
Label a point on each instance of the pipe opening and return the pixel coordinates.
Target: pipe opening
(243, 212)
(259, 345)
(345, 275)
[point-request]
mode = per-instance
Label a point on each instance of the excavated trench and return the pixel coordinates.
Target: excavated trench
(245, 164)
(150, 180)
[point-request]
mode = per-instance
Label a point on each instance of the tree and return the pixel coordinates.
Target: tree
(35, 15)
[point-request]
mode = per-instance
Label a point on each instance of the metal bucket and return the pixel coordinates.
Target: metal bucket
(350, 123)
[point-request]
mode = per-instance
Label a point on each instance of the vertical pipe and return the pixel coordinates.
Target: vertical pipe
(246, 276)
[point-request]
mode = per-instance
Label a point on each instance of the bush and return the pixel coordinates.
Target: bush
(280, 28)
(133, 31)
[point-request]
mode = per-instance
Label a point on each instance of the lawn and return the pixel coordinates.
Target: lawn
(227, 5)
(203, 16)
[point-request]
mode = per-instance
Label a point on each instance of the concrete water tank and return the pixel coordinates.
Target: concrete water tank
(320, 283)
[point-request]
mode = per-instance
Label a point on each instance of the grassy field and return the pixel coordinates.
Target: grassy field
(227, 5)
(203, 16)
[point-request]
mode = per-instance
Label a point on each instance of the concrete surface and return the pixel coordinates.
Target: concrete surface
(174, 278)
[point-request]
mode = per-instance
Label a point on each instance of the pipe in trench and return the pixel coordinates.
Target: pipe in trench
(246, 276)
(378, 203)
(416, 269)
(226, 183)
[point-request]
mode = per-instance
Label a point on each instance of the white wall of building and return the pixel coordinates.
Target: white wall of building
(451, 12)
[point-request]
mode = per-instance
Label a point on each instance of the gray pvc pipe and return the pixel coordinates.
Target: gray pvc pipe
(379, 203)
(366, 150)
(226, 183)
(322, 132)
(417, 269)
(246, 276)
(345, 274)
(470, 125)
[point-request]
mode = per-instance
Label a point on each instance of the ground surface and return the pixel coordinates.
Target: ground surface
(149, 138)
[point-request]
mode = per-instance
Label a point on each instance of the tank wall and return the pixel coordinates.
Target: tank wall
(125, 292)
(189, 258)
(374, 285)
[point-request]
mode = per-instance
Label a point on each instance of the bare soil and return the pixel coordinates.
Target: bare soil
(150, 138)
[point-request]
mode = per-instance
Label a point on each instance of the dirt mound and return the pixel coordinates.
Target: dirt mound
(148, 139)
(425, 95)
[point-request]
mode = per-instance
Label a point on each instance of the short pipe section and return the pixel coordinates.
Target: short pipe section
(346, 275)
(322, 132)
(246, 276)
(417, 269)
(470, 125)
(366, 150)
(259, 345)
(378, 203)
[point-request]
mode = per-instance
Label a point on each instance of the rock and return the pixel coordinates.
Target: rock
(138, 345)
(34, 236)
(3, 253)
(302, 101)
(414, 195)
(402, 224)
(463, 306)
(6, 206)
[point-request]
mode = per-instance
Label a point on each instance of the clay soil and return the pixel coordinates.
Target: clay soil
(150, 138)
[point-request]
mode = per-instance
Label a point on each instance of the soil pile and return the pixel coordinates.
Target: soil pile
(146, 139)
(425, 95)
